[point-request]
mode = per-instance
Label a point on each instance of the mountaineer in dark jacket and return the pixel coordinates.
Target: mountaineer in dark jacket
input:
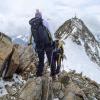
(43, 41)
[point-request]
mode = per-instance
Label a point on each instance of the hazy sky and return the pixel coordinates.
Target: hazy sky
(15, 14)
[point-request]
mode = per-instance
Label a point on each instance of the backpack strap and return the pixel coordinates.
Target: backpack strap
(49, 34)
(30, 39)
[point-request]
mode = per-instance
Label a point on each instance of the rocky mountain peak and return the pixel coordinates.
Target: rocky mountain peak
(77, 31)
(76, 23)
(71, 27)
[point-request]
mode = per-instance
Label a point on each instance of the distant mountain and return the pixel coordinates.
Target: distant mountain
(20, 39)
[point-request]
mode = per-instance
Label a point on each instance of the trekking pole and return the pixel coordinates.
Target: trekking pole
(51, 58)
(62, 65)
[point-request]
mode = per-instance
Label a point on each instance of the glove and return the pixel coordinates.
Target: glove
(29, 44)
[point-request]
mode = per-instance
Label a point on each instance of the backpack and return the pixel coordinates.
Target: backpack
(35, 22)
(40, 33)
(58, 48)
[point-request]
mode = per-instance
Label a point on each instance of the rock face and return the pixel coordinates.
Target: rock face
(47, 89)
(77, 31)
(79, 87)
(22, 61)
(27, 61)
(26, 56)
(69, 86)
(32, 90)
(5, 50)
(16, 58)
(13, 63)
(73, 92)
(37, 89)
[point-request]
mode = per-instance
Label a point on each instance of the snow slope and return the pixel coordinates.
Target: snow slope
(15, 80)
(79, 61)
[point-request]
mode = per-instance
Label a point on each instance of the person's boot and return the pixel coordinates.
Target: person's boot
(38, 74)
(58, 70)
(54, 78)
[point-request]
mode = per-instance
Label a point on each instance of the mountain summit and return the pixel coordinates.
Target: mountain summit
(75, 30)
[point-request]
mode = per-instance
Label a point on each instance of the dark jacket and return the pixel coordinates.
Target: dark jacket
(39, 32)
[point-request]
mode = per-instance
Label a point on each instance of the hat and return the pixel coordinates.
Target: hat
(38, 14)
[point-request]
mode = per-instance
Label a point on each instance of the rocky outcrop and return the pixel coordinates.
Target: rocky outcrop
(13, 63)
(79, 87)
(47, 89)
(32, 90)
(27, 60)
(69, 86)
(37, 89)
(5, 50)
(73, 92)
(16, 58)
(22, 61)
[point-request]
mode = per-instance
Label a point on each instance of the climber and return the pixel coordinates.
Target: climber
(57, 55)
(43, 41)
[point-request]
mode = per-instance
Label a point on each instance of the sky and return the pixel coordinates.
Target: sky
(15, 14)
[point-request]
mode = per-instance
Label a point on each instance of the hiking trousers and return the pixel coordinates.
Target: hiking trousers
(41, 51)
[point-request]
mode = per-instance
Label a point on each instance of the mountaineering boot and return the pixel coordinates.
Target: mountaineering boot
(54, 78)
(58, 69)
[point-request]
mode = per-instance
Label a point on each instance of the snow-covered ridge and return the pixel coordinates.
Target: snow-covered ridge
(81, 48)
(81, 35)
(78, 60)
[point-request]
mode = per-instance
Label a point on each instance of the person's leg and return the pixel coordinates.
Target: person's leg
(40, 63)
(53, 66)
(58, 64)
(49, 54)
(51, 60)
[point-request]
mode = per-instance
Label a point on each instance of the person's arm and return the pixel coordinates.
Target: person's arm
(45, 23)
(30, 39)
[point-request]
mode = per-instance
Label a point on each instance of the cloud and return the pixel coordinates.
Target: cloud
(15, 14)
(92, 23)
(94, 9)
(71, 3)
